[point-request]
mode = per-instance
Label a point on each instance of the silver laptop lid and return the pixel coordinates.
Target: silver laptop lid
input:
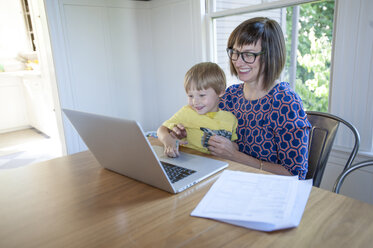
(120, 145)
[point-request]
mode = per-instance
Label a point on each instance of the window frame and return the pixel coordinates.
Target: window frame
(28, 23)
(211, 15)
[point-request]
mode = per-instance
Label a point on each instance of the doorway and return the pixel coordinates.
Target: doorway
(30, 128)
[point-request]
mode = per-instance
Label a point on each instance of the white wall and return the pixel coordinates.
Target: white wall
(123, 58)
(13, 31)
(177, 45)
(351, 94)
(352, 82)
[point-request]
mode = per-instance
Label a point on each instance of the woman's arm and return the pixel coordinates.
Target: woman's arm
(224, 148)
(292, 135)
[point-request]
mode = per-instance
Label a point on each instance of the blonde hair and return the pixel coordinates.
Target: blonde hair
(205, 75)
(273, 44)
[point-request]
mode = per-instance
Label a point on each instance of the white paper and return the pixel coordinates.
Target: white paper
(256, 201)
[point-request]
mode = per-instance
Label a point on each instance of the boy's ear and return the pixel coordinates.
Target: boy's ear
(221, 94)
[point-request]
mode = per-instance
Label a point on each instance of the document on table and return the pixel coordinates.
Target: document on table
(256, 201)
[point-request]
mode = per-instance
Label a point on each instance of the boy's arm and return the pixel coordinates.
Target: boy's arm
(171, 149)
(234, 129)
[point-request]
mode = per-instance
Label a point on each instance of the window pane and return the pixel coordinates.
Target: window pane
(315, 24)
(219, 5)
(226, 4)
(313, 50)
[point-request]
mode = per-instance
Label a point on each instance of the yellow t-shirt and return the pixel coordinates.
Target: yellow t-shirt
(222, 123)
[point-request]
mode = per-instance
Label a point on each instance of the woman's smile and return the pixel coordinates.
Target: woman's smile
(248, 72)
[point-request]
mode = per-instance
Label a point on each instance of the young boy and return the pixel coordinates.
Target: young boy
(204, 84)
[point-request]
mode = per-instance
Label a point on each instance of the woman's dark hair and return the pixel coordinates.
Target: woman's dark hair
(269, 33)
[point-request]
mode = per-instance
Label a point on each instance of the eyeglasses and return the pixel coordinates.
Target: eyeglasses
(247, 57)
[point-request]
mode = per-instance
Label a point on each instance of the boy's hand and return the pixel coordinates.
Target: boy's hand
(170, 142)
(171, 151)
(171, 147)
(178, 132)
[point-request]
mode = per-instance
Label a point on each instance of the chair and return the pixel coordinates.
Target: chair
(342, 176)
(322, 135)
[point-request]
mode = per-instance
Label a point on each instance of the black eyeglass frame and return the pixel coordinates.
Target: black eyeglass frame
(230, 52)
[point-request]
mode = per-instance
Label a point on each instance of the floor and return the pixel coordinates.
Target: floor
(24, 147)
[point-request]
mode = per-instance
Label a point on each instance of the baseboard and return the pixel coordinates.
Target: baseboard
(8, 130)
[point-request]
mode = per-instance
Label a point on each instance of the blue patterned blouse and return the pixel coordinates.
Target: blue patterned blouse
(273, 128)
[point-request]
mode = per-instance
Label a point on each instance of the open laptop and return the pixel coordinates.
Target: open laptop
(121, 146)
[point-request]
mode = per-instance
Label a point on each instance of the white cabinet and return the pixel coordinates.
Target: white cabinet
(24, 103)
(40, 113)
(13, 113)
(34, 101)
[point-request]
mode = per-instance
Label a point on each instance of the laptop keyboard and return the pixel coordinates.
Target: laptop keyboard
(176, 173)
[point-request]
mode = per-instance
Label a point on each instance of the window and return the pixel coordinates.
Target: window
(27, 16)
(308, 35)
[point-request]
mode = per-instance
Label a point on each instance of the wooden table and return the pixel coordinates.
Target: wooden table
(72, 202)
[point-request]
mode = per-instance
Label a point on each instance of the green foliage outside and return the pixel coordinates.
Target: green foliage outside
(314, 53)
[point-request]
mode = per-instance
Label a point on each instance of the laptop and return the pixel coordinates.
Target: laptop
(120, 145)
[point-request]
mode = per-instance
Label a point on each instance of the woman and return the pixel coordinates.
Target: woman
(272, 127)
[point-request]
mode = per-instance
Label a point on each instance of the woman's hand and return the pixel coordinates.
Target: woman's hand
(222, 147)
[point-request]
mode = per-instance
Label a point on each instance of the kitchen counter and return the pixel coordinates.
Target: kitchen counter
(23, 73)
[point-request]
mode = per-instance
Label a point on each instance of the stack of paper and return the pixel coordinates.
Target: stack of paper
(256, 201)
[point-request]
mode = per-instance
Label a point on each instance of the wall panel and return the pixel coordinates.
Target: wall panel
(88, 57)
(123, 58)
(132, 61)
(174, 53)
(352, 70)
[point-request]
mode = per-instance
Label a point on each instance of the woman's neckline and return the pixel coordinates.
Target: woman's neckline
(260, 96)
